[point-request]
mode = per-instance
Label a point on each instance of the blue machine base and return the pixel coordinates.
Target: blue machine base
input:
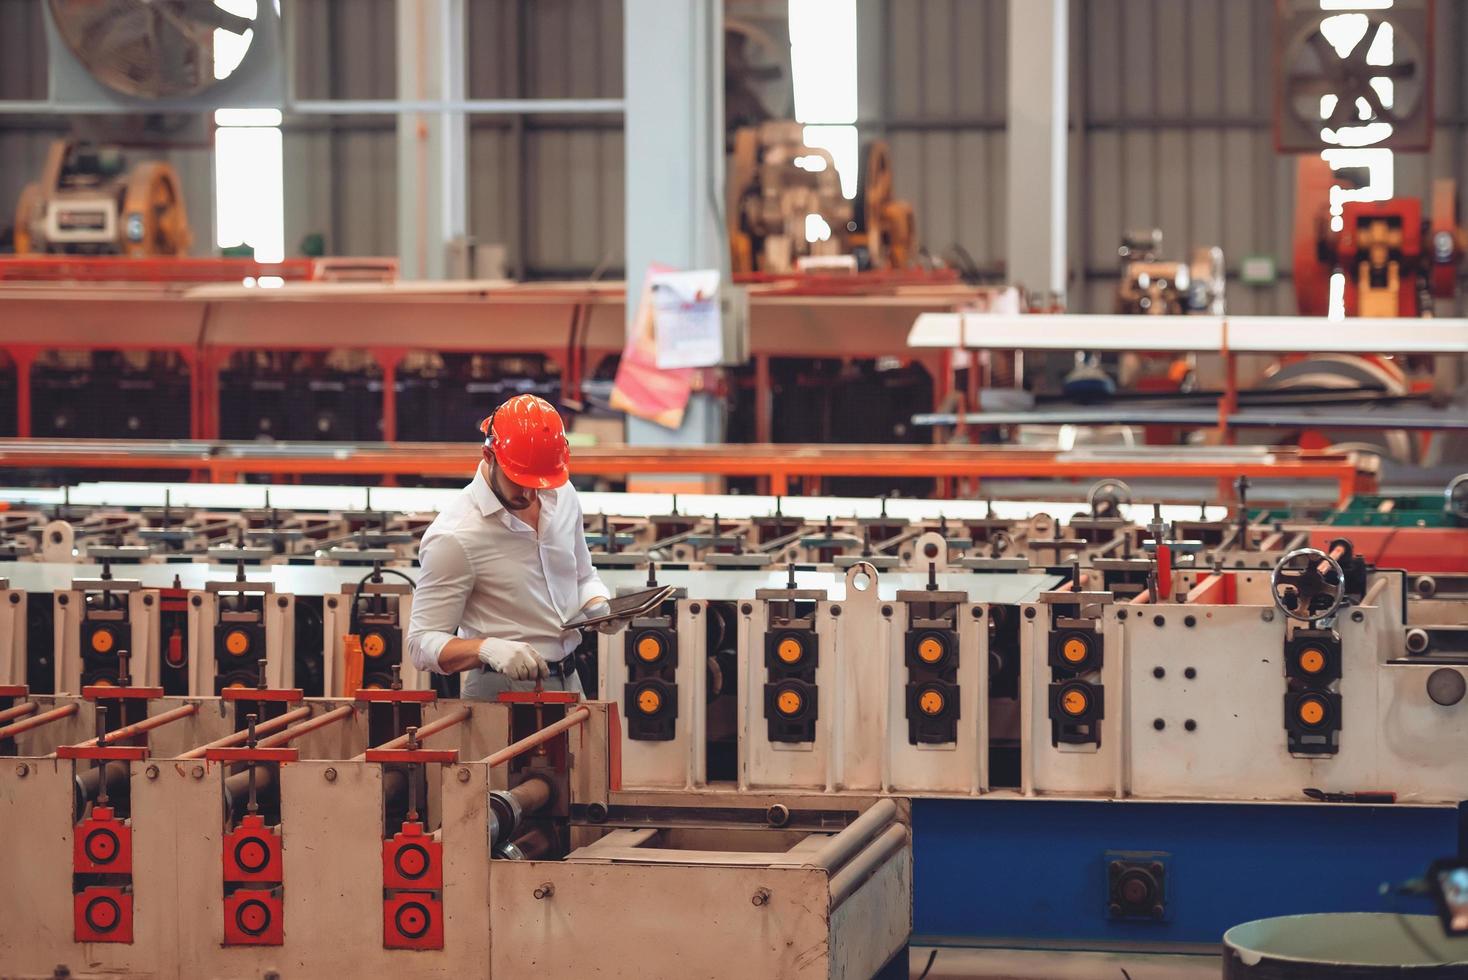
(1036, 870)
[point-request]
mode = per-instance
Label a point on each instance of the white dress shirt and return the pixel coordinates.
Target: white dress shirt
(488, 573)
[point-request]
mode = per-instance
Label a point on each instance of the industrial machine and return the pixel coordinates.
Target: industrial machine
(218, 836)
(1396, 259)
(785, 202)
(88, 201)
(1128, 698)
(1156, 286)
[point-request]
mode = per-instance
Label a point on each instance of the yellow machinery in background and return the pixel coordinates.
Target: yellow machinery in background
(89, 202)
(785, 204)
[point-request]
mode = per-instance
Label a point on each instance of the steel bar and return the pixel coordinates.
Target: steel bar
(859, 869)
(238, 738)
(36, 721)
(572, 719)
(845, 845)
(307, 727)
(146, 725)
(19, 711)
(455, 717)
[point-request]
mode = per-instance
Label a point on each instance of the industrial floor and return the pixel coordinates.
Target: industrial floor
(952, 963)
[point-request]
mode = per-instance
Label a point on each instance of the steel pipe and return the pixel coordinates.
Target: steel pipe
(455, 717)
(19, 711)
(842, 847)
(307, 727)
(241, 736)
(572, 719)
(868, 862)
(146, 725)
(36, 721)
(89, 780)
(237, 786)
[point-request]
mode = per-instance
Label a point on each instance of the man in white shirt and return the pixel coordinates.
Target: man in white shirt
(506, 563)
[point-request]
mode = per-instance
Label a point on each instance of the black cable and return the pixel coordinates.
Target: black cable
(1435, 956)
(376, 574)
(931, 957)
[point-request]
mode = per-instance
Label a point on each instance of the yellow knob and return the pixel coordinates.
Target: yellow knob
(790, 650)
(237, 642)
(1074, 701)
(1312, 711)
(930, 649)
(1312, 661)
(374, 644)
(649, 701)
(649, 647)
(931, 702)
(789, 702)
(102, 641)
(1074, 650)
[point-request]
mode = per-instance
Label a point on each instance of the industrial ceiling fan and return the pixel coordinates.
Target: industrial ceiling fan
(148, 48)
(1354, 79)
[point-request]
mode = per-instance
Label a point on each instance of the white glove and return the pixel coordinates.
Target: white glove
(601, 607)
(517, 661)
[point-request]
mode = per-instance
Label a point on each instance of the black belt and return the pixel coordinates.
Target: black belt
(562, 668)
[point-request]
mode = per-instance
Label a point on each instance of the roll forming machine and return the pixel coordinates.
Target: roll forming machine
(1149, 722)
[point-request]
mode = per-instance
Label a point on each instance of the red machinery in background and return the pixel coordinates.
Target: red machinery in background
(1395, 261)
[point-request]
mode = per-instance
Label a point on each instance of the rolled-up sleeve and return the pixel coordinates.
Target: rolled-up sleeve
(589, 585)
(438, 603)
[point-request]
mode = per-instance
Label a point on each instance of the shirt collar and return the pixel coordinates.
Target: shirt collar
(489, 505)
(483, 496)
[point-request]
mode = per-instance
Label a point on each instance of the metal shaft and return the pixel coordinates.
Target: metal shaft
(19, 711)
(572, 719)
(251, 742)
(306, 727)
(36, 721)
(238, 738)
(146, 725)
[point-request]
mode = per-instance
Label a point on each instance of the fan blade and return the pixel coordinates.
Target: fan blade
(1357, 55)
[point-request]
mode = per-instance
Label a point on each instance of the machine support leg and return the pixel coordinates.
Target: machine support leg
(24, 357)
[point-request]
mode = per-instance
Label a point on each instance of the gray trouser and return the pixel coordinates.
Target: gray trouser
(479, 684)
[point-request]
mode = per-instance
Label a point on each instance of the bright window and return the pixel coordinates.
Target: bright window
(1353, 144)
(823, 75)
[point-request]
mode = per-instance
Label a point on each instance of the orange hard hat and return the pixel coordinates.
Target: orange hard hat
(529, 442)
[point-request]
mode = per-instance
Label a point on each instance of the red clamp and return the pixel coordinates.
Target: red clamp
(103, 914)
(412, 859)
(412, 920)
(254, 917)
(254, 912)
(286, 694)
(252, 852)
(102, 844)
(109, 692)
(388, 694)
(538, 697)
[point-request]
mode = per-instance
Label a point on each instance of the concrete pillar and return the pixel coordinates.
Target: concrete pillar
(433, 195)
(1038, 50)
(674, 93)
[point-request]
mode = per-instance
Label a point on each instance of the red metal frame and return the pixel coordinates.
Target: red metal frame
(286, 694)
(780, 464)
